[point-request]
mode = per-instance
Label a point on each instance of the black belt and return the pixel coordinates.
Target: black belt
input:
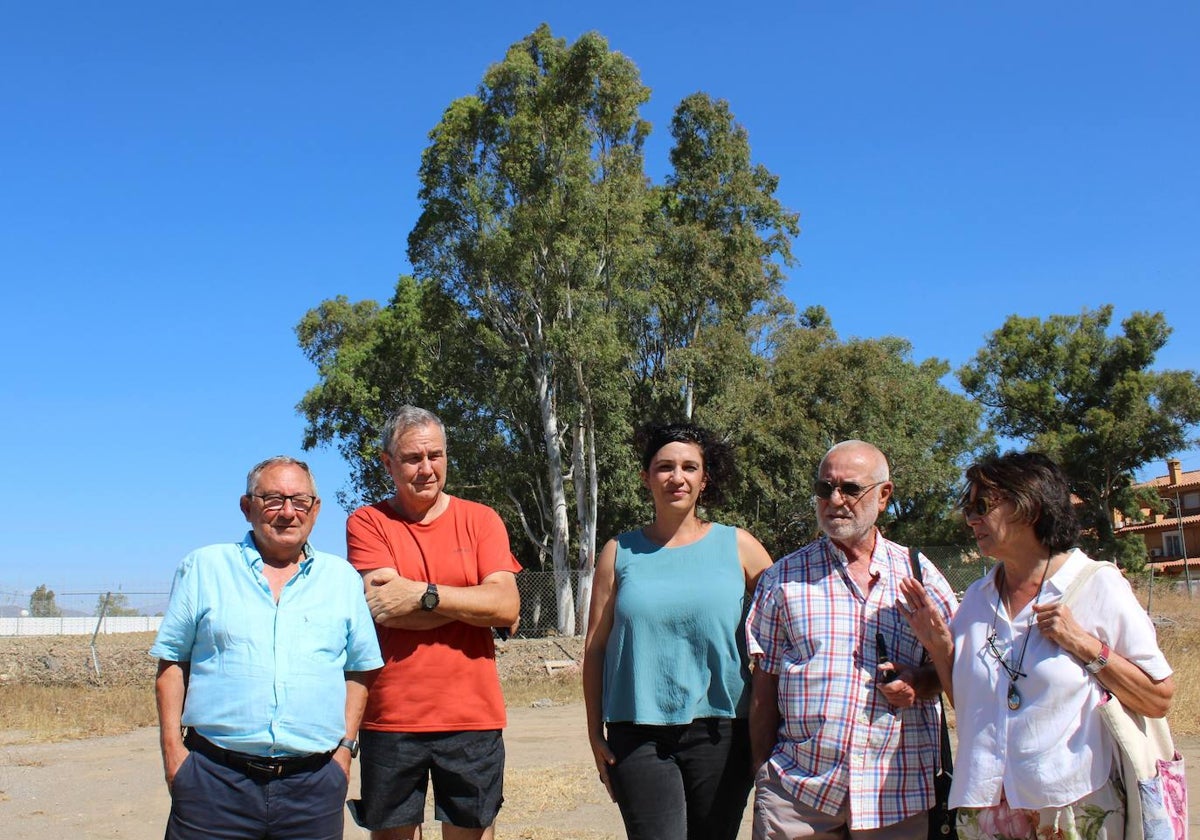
(261, 768)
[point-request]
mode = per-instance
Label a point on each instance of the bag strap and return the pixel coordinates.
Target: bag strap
(1068, 596)
(947, 763)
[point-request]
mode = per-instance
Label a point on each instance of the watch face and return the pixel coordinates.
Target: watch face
(430, 600)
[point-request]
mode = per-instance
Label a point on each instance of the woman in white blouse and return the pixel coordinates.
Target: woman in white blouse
(1027, 673)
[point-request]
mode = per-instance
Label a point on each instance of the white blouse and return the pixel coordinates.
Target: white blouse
(1053, 750)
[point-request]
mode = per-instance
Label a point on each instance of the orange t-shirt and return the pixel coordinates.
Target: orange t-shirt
(440, 680)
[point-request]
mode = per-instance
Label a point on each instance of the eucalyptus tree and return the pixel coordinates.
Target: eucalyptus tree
(720, 238)
(532, 193)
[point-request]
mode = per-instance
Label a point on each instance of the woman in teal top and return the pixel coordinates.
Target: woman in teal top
(665, 672)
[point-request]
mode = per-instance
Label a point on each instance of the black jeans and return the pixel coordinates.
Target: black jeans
(686, 782)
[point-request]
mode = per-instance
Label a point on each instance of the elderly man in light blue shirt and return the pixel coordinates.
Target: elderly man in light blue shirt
(265, 655)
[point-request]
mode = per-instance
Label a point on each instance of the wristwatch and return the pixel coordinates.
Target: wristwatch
(350, 744)
(1097, 664)
(430, 599)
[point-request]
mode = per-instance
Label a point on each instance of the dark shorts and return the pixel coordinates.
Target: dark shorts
(467, 769)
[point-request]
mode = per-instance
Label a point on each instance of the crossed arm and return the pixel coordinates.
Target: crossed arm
(395, 601)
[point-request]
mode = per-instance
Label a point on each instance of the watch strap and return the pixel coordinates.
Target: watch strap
(1097, 664)
(350, 744)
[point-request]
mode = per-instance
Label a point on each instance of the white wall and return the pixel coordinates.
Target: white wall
(77, 625)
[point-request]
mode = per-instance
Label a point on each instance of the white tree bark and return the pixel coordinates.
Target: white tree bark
(559, 526)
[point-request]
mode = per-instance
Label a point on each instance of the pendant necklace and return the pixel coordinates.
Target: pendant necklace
(1014, 671)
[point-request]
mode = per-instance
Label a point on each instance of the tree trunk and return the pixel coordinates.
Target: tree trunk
(587, 491)
(559, 526)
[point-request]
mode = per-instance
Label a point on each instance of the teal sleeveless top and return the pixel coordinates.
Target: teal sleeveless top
(677, 650)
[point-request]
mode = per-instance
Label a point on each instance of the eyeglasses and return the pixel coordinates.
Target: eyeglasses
(848, 489)
(301, 502)
(980, 507)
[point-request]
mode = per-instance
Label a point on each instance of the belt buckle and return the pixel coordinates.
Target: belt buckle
(266, 769)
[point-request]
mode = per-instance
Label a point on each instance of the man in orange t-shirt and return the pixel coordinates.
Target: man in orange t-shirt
(439, 574)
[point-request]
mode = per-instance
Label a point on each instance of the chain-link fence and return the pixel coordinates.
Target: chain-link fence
(77, 612)
(45, 612)
(539, 594)
(150, 600)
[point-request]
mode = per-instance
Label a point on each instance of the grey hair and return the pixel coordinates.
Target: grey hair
(277, 461)
(407, 417)
(877, 475)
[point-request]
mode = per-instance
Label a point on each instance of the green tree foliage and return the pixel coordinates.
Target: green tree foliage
(1089, 399)
(420, 349)
(821, 390)
(560, 300)
(532, 193)
(42, 604)
(117, 605)
(720, 237)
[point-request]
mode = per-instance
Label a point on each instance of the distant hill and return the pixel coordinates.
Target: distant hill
(14, 610)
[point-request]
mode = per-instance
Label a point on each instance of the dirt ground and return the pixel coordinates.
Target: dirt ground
(112, 787)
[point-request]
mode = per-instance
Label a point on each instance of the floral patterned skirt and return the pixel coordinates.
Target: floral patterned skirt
(1098, 816)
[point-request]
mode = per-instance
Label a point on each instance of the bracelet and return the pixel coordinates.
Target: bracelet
(1097, 664)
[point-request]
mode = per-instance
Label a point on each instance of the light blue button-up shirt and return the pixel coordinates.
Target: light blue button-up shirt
(267, 678)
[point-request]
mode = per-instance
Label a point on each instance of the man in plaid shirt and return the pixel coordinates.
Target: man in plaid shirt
(844, 720)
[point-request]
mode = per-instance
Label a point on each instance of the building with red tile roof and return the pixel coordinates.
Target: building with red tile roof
(1172, 538)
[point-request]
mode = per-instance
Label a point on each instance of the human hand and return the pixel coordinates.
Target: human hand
(173, 758)
(342, 758)
(389, 595)
(604, 759)
(1056, 623)
(900, 690)
(378, 577)
(924, 617)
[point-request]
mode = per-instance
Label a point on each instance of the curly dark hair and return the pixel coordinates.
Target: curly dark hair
(717, 454)
(1039, 489)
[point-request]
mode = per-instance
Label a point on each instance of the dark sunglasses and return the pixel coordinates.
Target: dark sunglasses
(980, 507)
(848, 489)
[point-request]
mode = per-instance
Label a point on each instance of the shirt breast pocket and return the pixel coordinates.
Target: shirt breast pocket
(317, 640)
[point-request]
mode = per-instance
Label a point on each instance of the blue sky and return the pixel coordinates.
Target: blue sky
(181, 182)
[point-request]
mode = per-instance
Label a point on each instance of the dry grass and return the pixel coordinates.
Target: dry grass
(60, 713)
(562, 687)
(1178, 620)
(40, 713)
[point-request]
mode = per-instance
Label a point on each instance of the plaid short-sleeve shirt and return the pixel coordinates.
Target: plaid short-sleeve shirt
(811, 626)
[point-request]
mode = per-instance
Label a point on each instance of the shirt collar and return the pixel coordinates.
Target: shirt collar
(878, 552)
(254, 559)
(1056, 584)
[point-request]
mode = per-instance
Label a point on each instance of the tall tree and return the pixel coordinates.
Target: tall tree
(532, 191)
(1090, 400)
(720, 237)
(42, 603)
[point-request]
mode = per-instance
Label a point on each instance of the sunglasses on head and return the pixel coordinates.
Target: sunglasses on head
(848, 489)
(980, 506)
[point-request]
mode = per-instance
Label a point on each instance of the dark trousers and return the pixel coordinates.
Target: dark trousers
(687, 782)
(210, 800)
